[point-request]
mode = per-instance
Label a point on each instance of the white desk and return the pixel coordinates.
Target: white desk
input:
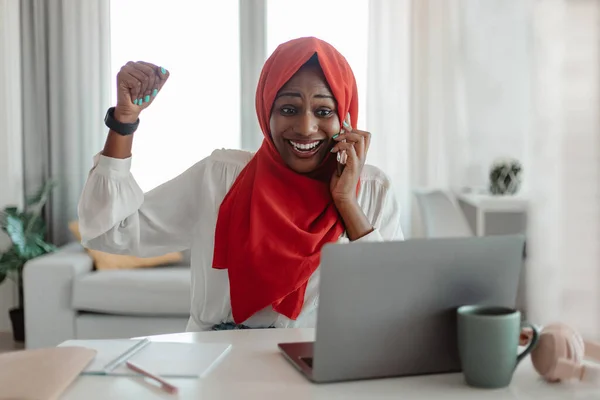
(494, 215)
(254, 369)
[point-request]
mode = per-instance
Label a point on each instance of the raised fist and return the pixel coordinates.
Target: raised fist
(138, 83)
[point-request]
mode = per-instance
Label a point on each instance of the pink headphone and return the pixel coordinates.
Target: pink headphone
(560, 352)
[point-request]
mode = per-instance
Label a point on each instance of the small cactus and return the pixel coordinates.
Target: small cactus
(505, 177)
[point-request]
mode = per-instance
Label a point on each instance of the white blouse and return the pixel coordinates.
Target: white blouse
(116, 216)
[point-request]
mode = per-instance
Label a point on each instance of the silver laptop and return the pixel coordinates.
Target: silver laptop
(388, 309)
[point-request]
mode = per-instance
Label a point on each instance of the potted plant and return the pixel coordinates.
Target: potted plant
(505, 177)
(27, 232)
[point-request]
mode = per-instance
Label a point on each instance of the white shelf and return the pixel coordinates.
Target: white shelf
(491, 203)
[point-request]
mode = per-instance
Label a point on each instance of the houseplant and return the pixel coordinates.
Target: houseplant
(505, 176)
(27, 232)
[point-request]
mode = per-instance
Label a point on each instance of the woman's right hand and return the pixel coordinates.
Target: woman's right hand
(138, 84)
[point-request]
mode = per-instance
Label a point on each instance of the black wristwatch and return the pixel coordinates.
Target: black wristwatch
(119, 127)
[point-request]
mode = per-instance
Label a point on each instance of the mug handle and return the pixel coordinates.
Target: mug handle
(532, 342)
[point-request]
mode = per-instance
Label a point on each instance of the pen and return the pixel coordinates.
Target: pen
(128, 354)
(166, 386)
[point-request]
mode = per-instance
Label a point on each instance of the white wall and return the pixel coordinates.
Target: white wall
(11, 169)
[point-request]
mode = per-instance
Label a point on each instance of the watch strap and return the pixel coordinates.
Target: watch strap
(119, 127)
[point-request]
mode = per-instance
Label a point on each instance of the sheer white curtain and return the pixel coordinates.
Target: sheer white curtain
(11, 161)
(253, 53)
(65, 88)
(415, 96)
(388, 96)
(521, 77)
(564, 163)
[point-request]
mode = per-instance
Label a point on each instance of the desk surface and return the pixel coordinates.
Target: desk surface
(487, 202)
(254, 369)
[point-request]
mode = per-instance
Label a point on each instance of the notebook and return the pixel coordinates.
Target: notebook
(176, 360)
(41, 373)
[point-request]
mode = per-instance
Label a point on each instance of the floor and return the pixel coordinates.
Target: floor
(8, 344)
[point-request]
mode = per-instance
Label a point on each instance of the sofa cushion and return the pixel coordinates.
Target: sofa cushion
(155, 291)
(103, 260)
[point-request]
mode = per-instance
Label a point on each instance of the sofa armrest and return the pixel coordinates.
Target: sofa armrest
(47, 289)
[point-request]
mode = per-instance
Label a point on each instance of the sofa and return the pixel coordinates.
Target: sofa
(65, 297)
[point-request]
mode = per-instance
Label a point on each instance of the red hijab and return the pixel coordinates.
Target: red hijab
(273, 221)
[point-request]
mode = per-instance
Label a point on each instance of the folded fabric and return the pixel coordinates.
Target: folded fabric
(105, 261)
(41, 373)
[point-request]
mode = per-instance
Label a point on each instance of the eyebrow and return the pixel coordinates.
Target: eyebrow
(296, 94)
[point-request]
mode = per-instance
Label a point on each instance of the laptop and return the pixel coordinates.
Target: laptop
(387, 309)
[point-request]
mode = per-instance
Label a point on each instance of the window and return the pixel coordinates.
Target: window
(198, 42)
(342, 23)
(198, 109)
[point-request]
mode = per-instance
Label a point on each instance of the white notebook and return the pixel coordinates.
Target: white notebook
(181, 360)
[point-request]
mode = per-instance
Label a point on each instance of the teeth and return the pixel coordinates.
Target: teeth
(305, 147)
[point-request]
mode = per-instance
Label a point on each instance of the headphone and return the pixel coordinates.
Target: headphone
(560, 352)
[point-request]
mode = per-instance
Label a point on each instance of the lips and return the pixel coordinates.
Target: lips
(305, 148)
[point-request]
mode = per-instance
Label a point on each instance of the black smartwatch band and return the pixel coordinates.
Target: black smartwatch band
(119, 127)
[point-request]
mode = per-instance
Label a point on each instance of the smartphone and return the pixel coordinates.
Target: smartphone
(342, 157)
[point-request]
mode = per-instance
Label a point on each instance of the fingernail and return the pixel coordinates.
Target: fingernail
(140, 101)
(135, 102)
(343, 158)
(332, 150)
(346, 124)
(163, 71)
(335, 136)
(154, 92)
(147, 98)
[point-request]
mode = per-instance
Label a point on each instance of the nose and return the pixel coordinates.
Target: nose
(307, 124)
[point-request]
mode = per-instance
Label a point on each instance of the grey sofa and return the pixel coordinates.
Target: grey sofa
(65, 298)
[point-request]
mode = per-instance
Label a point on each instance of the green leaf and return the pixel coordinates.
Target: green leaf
(11, 210)
(27, 231)
(10, 262)
(16, 230)
(5, 213)
(33, 223)
(25, 241)
(41, 196)
(47, 247)
(11, 265)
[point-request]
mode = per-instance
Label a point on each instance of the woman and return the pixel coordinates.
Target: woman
(255, 223)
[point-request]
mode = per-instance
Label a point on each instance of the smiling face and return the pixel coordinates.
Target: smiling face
(303, 120)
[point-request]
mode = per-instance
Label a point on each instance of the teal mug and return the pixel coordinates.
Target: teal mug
(488, 340)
